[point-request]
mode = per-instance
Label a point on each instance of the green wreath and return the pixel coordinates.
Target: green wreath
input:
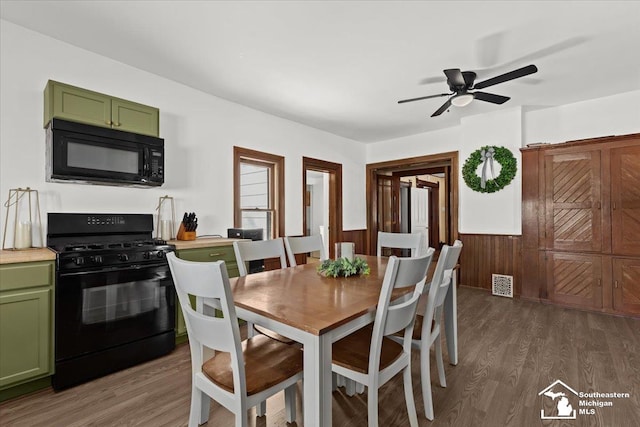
(501, 155)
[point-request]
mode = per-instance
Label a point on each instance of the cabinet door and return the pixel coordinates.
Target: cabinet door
(75, 104)
(626, 286)
(132, 117)
(625, 200)
(573, 205)
(25, 335)
(575, 279)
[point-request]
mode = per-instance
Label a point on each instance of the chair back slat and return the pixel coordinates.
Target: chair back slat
(448, 259)
(207, 280)
(413, 241)
(259, 249)
(401, 272)
(304, 244)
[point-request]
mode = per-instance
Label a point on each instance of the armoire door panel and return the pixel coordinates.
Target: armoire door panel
(626, 285)
(625, 200)
(575, 279)
(573, 201)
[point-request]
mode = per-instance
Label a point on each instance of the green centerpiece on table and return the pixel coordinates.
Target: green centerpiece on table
(343, 267)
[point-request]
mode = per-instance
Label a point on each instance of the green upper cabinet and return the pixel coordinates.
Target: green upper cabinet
(133, 117)
(85, 106)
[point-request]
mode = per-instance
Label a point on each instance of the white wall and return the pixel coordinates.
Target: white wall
(200, 131)
(491, 213)
(613, 115)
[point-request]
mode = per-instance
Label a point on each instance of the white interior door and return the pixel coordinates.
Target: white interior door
(420, 213)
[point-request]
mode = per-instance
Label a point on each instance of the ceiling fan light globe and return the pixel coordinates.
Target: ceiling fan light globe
(462, 100)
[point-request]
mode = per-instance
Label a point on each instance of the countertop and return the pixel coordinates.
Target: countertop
(26, 255)
(203, 242)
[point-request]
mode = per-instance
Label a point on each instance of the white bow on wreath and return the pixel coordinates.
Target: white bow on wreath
(487, 156)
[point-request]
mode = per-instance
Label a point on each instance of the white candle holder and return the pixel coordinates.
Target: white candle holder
(24, 226)
(165, 225)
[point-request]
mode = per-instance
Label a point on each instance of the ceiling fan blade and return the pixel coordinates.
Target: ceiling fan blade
(520, 72)
(490, 97)
(442, 109)
(423, 97)
(454, 77)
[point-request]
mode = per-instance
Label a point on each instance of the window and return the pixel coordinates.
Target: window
(259, 191)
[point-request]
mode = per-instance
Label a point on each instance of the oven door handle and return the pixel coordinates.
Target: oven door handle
(133, 267)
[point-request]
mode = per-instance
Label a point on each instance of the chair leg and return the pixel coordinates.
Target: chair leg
(408, 396)
(440, 362)
(372, 406)
(350, 386)
(250, 331)
(290, 403)
(200, 405)
(261, 408)
(425, 378)
(359, 388)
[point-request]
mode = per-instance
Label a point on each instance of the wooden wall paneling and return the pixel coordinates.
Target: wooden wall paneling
(529, 286)
(591, 267)
(626, 285)
(530, 191)
(359, 237)
(487, 254)
(625, 200)
(575, 279)
(607, 283)
(573, 201)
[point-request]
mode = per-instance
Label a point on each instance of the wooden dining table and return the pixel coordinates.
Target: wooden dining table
(315, 311)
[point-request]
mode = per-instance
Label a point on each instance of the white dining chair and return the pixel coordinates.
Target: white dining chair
(428, 329)
(241, 374)
(302, 245)
(251, 250)
(413, 241)
(368, 356)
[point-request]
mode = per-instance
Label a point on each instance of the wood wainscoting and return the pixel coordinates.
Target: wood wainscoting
(359, 237)
(487, 254)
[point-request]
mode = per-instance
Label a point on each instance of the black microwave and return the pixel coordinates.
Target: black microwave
(77, 152)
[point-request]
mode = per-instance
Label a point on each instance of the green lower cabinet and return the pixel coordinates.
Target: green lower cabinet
(26, 323)
(209, 254)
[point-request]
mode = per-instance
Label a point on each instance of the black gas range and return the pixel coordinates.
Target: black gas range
(114, 299)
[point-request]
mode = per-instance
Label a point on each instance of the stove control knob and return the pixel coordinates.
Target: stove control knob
(160, 254)
(96, 259)
(146, 255)
(123, 257)
(78, 260)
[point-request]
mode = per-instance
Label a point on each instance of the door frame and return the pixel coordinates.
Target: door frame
(335, 197)
(411, 164)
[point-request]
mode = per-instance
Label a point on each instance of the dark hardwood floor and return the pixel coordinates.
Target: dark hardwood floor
(510, 350)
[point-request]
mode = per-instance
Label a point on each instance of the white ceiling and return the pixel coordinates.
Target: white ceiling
(341, 66)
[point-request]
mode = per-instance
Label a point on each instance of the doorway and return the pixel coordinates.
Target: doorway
(387, 195)
(322, 201)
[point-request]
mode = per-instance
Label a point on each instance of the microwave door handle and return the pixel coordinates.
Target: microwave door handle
(145, 162)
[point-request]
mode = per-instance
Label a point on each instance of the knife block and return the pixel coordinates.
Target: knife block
(185, 235)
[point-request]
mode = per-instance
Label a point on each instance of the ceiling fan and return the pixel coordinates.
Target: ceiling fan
(462, 82)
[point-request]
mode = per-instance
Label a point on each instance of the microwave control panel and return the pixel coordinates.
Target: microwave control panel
(157, 164)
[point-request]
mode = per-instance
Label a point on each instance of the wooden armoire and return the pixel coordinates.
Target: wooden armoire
(581, 224)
